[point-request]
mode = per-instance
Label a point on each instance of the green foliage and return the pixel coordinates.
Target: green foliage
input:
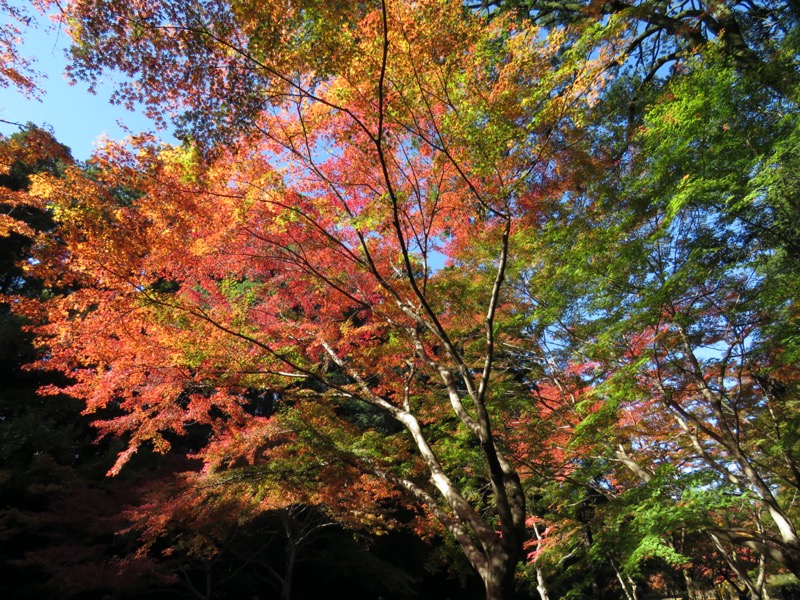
(783, 586)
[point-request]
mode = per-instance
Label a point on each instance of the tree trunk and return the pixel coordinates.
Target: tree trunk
(291, 560)
(498, 586)
(691, 588)
(498, 577)
(541, 585)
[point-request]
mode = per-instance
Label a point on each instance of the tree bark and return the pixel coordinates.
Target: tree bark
(498, 578)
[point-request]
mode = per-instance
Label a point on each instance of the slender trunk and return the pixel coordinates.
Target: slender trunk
(625, 587)
(740, 571)
(541, 586)
(691, 591)
(209, 582)
(291, 559)
(761, 580)
(588, 541)
(624, 582)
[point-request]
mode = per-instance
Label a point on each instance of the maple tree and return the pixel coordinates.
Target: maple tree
(756, 38)
(66, 527)
(296, 263)
(447, 256)
(669, 277)
(16, 70)
(675, 295)
(58, 512)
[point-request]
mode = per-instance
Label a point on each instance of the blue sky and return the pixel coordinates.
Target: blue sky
(77, 117)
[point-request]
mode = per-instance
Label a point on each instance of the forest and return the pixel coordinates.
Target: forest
(429, 299)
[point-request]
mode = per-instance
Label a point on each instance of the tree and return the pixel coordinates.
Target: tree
(16, 69)
(673, 295)
(428, 253)
(58, 513)
(756, 38)
(69, 531)
(297, 263)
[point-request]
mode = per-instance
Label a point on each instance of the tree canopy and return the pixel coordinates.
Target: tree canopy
(521, 275)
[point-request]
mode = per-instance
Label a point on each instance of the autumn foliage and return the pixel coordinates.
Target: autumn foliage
(510, 274)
